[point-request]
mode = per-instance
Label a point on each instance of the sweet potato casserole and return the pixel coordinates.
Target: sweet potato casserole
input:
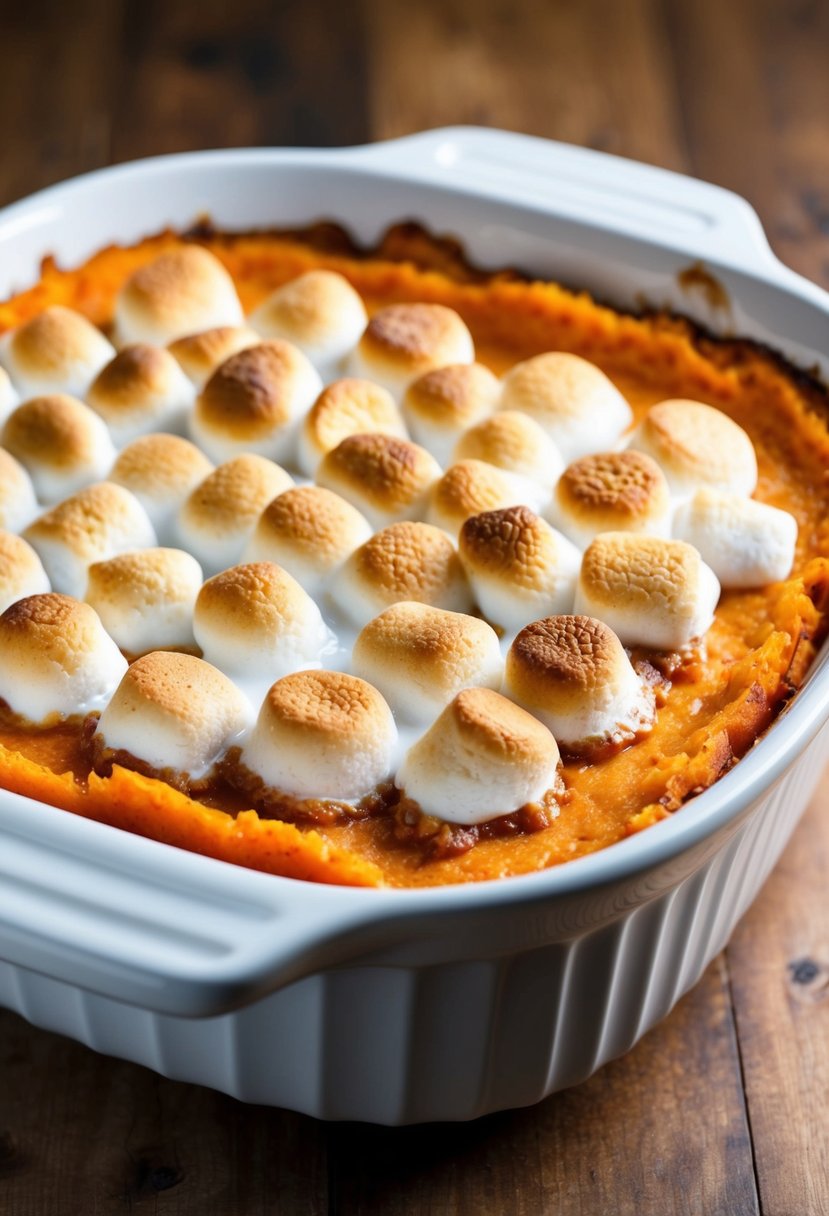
(370, 568)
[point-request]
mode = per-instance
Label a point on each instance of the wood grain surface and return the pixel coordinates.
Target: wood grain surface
(721, 1109)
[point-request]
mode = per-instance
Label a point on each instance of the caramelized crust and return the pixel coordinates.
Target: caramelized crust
(412, 334)
(312, 521)
(625, 485)
(349, 407)
(248, 395)
(512, 540)
(388, 473)
(573, 652)
(331, 702)
(57, 431)
(492, 723)
(55, 628)
(200, 354)
(409, 561)
(159, 464)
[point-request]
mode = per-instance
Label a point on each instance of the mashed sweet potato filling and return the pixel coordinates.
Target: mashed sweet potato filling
(758, 649)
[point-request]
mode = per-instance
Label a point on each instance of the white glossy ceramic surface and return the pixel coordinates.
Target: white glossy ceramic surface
(346, 1003)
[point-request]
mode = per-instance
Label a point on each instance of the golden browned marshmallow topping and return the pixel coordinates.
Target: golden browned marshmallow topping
(17, 494)
(198, 355)
(652, 592)
(222, 511)
(420, 657)
(406, 561)
(514, 442)
(322, 735)
(62, 443)
(572, 673)
(56, 659)
(611, 491)
(92, 525)
(253, 400)
(346, 407)
(386, 478)
(310, 531)
(697, 445)
(320, 312)
(573, 400)
(256, 622)
(21, 570)
(146, 598)
(519, 567)
(403, 341)
(142, 389)
(174, 714)
(484, 757)
(182, 291)
(57, 351)
(160, 470)
(440, 405)
(468, 488)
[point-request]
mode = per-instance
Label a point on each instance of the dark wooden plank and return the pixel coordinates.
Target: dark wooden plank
(56, 81)
(756, 104)
(778, 90)
(84, 1135)
(590, 73)
(661, 1131)
(779, 966)
(238, 74)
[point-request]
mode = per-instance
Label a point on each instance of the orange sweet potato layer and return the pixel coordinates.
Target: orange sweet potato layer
(759, 647)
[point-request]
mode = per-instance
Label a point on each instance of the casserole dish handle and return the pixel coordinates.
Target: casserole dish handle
(167, 930)
(619, 195)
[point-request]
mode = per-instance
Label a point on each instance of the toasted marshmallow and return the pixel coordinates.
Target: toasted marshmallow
(222, 511)
(96, 523)
(513, 442)
(386, 478)
(173, 713)
(420, 657)
(256, 622)
(406, 561)
(146, 599)
(746, 543)
(573, 400)
(468, 488)
(611, 492)
(439, 406)
(346, 407)
(652, 592)
(697, 445)
(8, 395)
(253, 401)
(518, 566)
(309, 531)
(58, 351)
(142, 389)
(198, 355)
(17, 494)
(573, 674)
(322, 735)
(484, 757)
(161, 471)
(56, 658)
(62, 443)
(320, 312)
(21, 570)
(404, 341)
(181, 292)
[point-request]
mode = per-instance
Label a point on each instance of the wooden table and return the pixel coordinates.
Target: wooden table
(721, 1109)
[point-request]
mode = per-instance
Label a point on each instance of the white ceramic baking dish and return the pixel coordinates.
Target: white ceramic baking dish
(404, 1006)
